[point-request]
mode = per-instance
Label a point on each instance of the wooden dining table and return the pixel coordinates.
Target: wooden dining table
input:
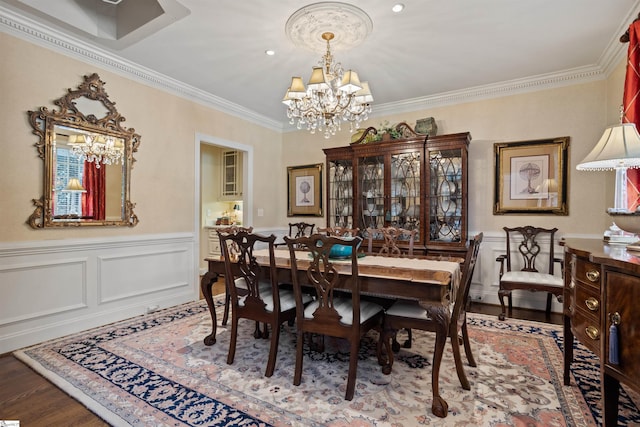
(432, 282)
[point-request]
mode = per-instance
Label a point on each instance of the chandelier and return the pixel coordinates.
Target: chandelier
(332, 96)
(100, 149)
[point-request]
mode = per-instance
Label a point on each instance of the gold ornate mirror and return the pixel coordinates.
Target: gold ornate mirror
(88, 157)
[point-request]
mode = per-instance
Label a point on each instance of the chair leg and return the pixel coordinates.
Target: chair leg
(273, 349)
(297, 376)
(549, 295)
(353, 369)
(467, 345)
(386, 336)
(455, 346)
(234, 339)
(227, 303)
(407, 343)
(501, 295)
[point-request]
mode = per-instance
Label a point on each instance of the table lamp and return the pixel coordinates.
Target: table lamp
(618, 149)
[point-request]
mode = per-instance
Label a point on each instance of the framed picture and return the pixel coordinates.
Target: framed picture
(531, 177)
(304, 190)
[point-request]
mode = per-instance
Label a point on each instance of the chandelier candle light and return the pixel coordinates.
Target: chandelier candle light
(331, 97)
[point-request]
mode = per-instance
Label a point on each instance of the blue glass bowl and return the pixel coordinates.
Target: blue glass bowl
(341, 251)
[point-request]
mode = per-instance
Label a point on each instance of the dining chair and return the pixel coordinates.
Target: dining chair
(525, 247)
(339, 231)
(392, 237)
(233, 251)
(332, 313)
(411, 314)
(298, 229)
(255, 293)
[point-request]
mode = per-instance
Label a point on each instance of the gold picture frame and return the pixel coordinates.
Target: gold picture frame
(531, 177)
(304, 190)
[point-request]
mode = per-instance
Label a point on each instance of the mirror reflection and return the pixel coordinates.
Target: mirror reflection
(87, 176)
(88, 158)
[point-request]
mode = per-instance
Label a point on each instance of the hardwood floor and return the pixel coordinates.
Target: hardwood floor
(34, 401)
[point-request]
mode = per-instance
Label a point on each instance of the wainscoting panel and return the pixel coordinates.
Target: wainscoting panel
(52, 288)
(44, 288)
(129, 275)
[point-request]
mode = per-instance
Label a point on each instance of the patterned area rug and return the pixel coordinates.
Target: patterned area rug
(155, 370)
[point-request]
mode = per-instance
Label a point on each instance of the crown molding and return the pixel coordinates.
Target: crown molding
(27, 29)
(496, 90)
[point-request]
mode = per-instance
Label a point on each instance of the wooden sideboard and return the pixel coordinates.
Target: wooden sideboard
(602, 287)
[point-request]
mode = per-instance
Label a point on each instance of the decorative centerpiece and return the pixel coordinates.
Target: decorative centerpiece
(387, 132)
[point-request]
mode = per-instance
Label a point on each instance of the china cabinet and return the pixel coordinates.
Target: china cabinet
(416, 183)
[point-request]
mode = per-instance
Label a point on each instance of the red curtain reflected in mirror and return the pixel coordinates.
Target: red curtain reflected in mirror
(631, 105)
(93, 201)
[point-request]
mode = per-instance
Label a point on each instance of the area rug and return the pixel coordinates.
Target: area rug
(154, 370)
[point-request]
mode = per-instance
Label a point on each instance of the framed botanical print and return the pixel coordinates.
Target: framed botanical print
(304, 190)
(531, 177)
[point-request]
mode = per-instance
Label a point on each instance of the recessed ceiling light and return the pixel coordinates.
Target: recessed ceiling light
(270, 52)
(398, 8)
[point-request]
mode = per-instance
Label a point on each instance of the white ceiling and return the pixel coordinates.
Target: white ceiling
(432, 49)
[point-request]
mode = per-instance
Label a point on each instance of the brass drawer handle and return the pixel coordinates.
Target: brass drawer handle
(592, 332)
(592, 304)
(593, 275)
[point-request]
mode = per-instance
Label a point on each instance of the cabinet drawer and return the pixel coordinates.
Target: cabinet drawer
(587, 299)
(586, 331)
(587, 272)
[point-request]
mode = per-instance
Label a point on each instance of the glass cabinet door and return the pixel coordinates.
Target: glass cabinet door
(371, 188)
(404, 201)
(340, 208)
(446, 195)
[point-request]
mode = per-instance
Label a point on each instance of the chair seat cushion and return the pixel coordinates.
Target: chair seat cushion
(344, 307)
(533, 278)
(409, 309)
(287, 298)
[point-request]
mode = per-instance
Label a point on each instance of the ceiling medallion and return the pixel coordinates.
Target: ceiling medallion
(350, 26)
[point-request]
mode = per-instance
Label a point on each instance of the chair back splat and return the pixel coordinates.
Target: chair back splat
(338, 310)
(339, 231)
(396, 241)
(522, 266)
(233, 248)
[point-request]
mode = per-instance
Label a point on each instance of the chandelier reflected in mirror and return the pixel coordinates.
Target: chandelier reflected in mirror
(332, 96)
(97, 148)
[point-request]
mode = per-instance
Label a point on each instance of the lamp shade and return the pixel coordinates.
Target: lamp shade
(74, 185)
(619, 147)
(350, 82)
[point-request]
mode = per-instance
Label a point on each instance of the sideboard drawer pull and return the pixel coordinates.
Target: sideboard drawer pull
(593, 275)
(592, 304)
(592, 332)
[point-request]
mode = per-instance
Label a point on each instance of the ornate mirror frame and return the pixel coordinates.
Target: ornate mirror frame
(51, 127)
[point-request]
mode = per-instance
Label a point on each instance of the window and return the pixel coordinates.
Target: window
(67, 166)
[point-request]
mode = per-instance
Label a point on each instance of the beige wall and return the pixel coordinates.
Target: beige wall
(163, 178)
(580, 111)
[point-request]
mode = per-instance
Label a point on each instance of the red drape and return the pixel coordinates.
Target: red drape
(93, 201)
(631, 105)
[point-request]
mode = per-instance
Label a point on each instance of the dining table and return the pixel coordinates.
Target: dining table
(430, 281)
